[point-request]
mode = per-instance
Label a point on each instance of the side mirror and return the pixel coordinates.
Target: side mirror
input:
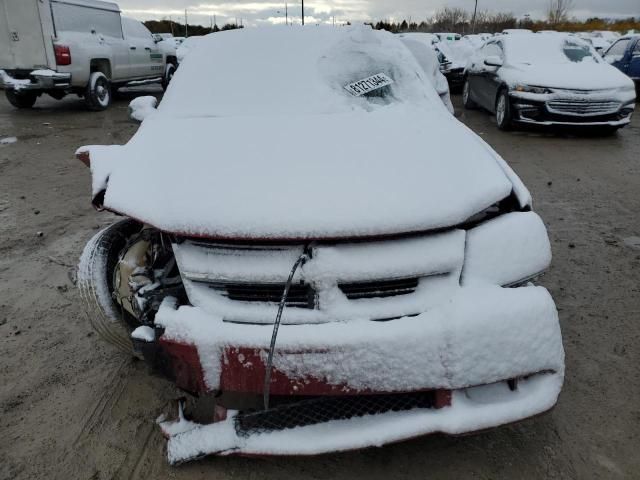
(493, 61)
(141, 107)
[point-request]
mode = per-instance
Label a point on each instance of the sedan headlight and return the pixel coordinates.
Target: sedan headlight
(532, 89)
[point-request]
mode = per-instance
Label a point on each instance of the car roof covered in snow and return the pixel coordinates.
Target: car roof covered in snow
(257, 137)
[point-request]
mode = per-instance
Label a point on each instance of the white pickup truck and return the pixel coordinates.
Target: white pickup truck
(85, 47)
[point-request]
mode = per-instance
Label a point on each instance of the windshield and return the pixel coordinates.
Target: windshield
(283, 71)
(548, 49)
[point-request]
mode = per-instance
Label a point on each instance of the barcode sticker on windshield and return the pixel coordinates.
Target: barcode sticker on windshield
(369, 84)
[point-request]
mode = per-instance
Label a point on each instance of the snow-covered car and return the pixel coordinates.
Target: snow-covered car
(169, 46)
(548, 79)
(451, 66)
(516, 31)
(428, 58)
(314, 244)
(186, 45)
(448, 36)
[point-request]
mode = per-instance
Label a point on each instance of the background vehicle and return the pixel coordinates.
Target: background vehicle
(515, 31)
(74, 46)
(448, 36)
(547, 80)
(428, 57)
(624, 54)
(301, 293)
(451, 66)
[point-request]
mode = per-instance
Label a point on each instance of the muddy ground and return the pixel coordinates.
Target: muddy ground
(72, 407)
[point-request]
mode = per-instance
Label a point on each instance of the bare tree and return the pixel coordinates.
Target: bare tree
(559, 11)
(450, 19)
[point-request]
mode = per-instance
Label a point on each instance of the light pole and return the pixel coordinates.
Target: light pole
(302, 12)
(473, 22)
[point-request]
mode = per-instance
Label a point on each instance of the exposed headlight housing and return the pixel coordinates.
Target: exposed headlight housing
(532, 89)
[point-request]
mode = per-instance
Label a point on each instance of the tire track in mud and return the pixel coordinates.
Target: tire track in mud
(115, 387)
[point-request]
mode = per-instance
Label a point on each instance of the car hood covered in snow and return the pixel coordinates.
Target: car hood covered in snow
(572, 76)
(274, 147)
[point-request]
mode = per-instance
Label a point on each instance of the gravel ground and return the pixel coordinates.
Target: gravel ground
(72, 407)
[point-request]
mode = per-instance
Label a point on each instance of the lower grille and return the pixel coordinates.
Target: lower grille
(325, 409)
(380, 288)
(301, 295)
(583, 107)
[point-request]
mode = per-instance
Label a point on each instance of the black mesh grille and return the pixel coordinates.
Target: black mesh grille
(324, 409)
(379, 288)
(301, 295)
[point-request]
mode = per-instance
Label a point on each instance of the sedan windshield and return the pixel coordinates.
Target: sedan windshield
(548, 49)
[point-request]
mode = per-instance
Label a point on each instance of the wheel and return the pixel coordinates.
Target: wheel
(21, 100)
(98, 93)
(503, 111)
(466, 96)
(168, 75)
(95, 282)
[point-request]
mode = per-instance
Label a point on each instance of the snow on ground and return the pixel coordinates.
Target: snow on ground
(141, 107)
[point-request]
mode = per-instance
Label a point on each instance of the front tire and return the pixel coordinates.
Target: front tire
(21, 100)
(503, 111)
(168, 75)
(98, 93)
(95, 282)
(466, 96)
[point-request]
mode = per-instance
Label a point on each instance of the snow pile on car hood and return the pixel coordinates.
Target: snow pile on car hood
(273, 146)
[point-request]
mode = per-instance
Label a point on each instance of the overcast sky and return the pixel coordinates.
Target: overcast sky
(256, 12)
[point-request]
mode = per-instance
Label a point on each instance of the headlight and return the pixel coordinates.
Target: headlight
(508, 250)
(530, 89)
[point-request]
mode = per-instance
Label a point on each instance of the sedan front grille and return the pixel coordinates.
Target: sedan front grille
(301, 295)
(379, 288)
(582, 107)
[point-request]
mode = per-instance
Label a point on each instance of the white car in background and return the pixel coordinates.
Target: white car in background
(322, 250)
(422, 46)
(451, 64)
(81, 47)
(186, 46)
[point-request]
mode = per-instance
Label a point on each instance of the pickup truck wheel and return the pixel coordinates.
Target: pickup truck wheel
(98, 94)
(21, 100)
(168, 75)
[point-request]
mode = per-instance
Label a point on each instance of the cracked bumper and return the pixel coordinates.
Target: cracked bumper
(472, 409)
(480, 336)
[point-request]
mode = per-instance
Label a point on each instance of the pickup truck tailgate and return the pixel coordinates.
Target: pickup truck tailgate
(26, 33)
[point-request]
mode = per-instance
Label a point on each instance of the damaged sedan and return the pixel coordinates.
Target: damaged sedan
(319, 253)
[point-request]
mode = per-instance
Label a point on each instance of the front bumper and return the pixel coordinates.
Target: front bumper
(526, 109)
(471, 409)
(37, 80)
(466, 351)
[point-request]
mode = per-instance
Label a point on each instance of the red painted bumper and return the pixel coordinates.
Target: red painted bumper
(243, 371)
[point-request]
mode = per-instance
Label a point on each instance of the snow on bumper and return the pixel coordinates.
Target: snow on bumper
(471, 409)
(479, 336)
